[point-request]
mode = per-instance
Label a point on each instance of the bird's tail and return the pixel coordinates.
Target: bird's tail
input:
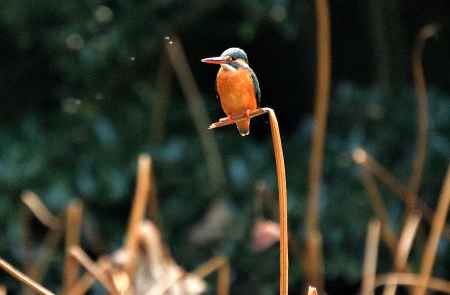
(243, 126)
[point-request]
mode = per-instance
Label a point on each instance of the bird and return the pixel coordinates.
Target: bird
(237, 86)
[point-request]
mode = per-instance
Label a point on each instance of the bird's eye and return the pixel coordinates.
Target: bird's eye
(231, 58)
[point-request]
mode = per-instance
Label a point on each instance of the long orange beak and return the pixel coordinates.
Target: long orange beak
(214, 60)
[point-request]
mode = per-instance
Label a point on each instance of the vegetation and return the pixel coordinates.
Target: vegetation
(87, 86)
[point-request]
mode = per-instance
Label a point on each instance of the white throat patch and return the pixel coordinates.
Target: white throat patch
(228, 67)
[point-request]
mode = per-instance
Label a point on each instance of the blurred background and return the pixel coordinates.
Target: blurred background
(86, 86)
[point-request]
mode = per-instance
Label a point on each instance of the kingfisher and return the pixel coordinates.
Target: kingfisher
(237, 86)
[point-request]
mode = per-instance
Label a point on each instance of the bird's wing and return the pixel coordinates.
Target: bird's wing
(256, 86)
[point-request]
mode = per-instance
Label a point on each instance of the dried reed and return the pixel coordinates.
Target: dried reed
(370, 258)
(314, 272)
(23, 278)
(74, 214)
(437, 226)
(282, 190)
(422, 106)
(198, 112)
(142, 192)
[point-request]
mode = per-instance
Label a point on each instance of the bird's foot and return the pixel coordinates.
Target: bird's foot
(227, 119)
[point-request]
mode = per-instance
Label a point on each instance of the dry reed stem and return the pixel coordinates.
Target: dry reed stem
(39, 266)
(379, 207)
(422, 106)
(437, 226)
(93, 269)
(74, 215)
(87, 280)
(370, 257)
(363, 158)
(282, 189)
(403, 249)
(198, 112)
(409, 279)
(323, 81)
(312, 291)
(40, 211)
(2, 290)
(25, 220)
(222, 266)
(406, 241)
(137, 215)
(23, 278)
(217, 263)
(160, 102)
(224, 279)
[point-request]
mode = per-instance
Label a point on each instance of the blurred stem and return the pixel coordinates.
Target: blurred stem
(198, 112)
(74, 216)
(378, 206)
(380, 44)
(437, 227)
(315, 277)
(370, 258)
(97, 272)
(160, 101)
(411, 279)
(403, 250)
(282, 189)
(144, 171)
(422, 107)
(23, 278)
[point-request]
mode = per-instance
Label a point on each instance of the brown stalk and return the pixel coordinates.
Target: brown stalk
(379, 207)
(318, 141)
(437, 226)
(93, 269)
(198, 112)
(370, 258)
(406, 241)
(160, 102)
(74, 215)
(40, 211)
(210, 266)
(282, 190)
(422, 106)
(410, 279)
(217, 263)
(38, 268)
(222, 265)
(312, 291)
(223, 279)
(404, 248)
(23, 278)
(87, 280)
(2, 290)
(144, 172)
(363, 158)
(25, 220)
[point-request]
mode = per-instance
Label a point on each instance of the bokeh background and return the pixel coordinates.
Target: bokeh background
(86, 86)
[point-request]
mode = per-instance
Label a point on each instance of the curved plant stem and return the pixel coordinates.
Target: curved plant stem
(282, 190)
(422, 106)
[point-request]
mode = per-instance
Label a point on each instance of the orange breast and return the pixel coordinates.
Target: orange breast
(236, 91)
